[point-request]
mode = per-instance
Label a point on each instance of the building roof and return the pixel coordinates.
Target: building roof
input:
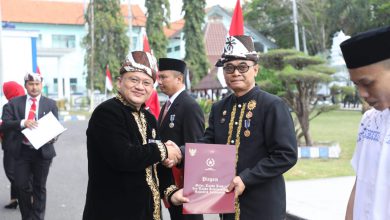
(56, 12)
(256, 35)
(210, 81)
(214, 35)
(174, 28)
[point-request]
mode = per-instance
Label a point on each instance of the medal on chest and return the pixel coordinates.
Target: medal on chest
(248, 116)
(171, 119)
(247, 124)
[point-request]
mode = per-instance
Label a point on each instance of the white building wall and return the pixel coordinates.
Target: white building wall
(17, 56)
(176, 47)
(60, 65)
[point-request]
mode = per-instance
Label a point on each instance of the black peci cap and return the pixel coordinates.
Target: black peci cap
(171, 64)
(367, 48)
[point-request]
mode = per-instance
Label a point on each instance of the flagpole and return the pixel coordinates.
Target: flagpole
(295, 21)
(130, 24)
(92, 102)
(1, 52)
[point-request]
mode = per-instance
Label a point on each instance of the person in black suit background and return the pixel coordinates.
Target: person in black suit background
(181, 119)
(11, 90)
(31, 165)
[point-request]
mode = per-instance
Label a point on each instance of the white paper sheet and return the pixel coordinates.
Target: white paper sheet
(48, 128)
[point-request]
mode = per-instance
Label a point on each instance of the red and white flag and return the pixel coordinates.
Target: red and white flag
(37, 70)
(236, 28)
(108, 79)
(153, 104)
(237, 24)
(146, 46)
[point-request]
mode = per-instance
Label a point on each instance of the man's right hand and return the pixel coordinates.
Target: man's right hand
(30, 124)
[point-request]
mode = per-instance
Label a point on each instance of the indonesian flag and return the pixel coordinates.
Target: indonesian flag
(152, 104)
(237, 24)
(108, 79)
(146, 46)
(236, 28)
(37, 70)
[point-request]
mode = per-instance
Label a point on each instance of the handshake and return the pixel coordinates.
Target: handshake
(174, 155)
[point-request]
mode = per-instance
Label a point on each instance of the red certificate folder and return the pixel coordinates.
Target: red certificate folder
(208, 171)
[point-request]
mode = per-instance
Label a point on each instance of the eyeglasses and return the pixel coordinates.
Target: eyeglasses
(242, 68)
(135, 81)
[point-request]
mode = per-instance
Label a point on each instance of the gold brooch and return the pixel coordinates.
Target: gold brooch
(251, 105)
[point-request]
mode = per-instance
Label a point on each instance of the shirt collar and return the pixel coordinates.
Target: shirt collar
(174, 96)
(248, 96)
(37, 98)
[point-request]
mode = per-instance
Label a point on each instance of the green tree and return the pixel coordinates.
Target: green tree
(351, 16)
(381, 12)
(315, 21)
(110, 41)
(272, 18)
(321, 19)
(300, 75)
(268, 81)
(158, 14)
(194, 38)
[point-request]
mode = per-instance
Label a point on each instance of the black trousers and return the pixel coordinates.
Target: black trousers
(31, 172)
(8, 163)
(176, 214)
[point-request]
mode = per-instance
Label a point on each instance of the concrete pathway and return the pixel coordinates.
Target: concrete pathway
(319, 198)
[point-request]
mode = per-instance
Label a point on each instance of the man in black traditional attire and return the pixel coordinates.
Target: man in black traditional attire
(126, 178)
(260, 126)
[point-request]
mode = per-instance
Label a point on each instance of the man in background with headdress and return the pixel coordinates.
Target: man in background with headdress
(260, 126)
(31, 165)
(11, 90)
(125, 154)
(367, 56)
(181, 119)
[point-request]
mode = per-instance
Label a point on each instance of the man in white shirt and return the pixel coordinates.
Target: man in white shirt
(367, 56)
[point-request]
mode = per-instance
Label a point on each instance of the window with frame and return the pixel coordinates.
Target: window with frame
(73, 84)
(63, 41)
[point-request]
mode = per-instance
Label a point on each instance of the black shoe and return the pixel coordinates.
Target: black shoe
(12, 205)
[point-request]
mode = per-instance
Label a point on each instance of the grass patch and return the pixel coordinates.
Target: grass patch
(339, 126)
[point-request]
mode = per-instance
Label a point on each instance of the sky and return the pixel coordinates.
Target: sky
(177, 4)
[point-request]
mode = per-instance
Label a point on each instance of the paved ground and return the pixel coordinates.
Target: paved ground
(66, 187)
(67, 179)
(320, 198)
